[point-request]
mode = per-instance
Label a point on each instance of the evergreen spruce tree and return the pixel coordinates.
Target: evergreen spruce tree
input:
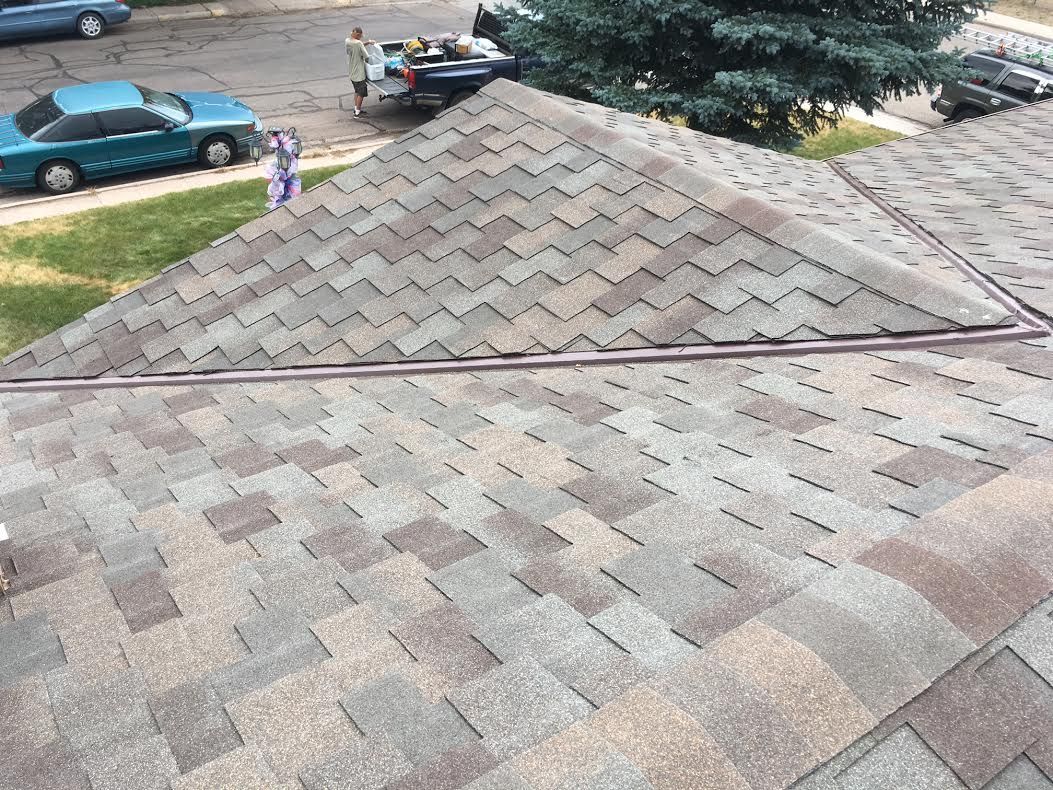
(762, 71)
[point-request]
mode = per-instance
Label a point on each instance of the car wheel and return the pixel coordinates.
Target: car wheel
(58, 177)
(967, 113)
(457, 98)
(90, 25)
(217, 151)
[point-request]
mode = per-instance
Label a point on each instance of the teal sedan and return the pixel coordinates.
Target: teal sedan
(86, 132)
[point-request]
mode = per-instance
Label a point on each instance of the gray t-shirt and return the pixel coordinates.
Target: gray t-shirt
(356, 59)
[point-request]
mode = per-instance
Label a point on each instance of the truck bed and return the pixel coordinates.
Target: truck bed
(436, 84)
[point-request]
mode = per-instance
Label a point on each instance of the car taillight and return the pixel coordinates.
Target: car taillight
(976, 81)
(411, 78)
(1, 163)
(251, 127)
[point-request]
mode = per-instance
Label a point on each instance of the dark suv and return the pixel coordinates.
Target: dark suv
(1000, 83)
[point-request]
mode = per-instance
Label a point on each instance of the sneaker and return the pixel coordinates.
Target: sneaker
(357, 113)
(362, 112)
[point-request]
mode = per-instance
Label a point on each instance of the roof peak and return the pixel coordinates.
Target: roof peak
(507, 227)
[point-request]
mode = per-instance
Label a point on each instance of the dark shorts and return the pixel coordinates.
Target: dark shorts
(360, 88)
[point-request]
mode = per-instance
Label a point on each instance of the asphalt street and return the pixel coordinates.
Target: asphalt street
(290, 68)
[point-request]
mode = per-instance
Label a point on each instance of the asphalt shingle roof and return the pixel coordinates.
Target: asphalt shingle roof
(806, 189)
(826, 571)
(468, 575)
(979, 190)
(515, 224)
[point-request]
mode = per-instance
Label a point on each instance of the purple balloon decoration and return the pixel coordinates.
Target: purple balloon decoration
(283, 183)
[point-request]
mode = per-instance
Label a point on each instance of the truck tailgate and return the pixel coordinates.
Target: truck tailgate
(389, 87)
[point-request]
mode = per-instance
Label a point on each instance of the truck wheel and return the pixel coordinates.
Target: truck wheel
(458, 97)
(966, 113)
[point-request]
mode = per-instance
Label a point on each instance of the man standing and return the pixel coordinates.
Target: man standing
(356, 62)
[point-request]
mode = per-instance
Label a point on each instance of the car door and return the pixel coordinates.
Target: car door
(976, 90)
(1015, 89)
(79, 139)
(137, 138)
(55, 16)
(16, 16)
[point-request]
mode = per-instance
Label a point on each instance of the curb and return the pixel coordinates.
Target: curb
(247, 8)
(187, 16)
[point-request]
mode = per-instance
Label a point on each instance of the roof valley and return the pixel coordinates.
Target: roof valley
(1026, 314)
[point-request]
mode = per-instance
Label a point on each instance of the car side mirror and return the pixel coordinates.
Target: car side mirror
(169, 126)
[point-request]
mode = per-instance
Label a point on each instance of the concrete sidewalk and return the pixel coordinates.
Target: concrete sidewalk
(38, 207)
(245, 8)
(886, 120)
(1014, 25)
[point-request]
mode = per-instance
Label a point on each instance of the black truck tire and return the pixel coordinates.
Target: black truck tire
(966, 113)
(460, 96)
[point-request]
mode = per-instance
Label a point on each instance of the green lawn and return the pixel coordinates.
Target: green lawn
(53, 271)
(849, 136)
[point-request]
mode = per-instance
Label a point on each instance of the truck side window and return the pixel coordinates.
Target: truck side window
(988, 69)
(1019, 86)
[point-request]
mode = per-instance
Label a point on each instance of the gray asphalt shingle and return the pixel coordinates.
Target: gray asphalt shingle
(825, 571)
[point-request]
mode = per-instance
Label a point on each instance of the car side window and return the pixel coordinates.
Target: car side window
(1020, 86)
(71, 129)
(15, 3)
(988, 69)
(131, 121)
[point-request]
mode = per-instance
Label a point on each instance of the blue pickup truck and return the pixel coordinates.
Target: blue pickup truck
(439, 76)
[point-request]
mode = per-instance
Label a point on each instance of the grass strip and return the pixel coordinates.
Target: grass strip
(52, 271)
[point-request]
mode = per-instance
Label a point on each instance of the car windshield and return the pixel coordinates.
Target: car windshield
(37, 115)
(165, 103)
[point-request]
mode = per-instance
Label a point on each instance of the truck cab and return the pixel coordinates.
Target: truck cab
(996, 82)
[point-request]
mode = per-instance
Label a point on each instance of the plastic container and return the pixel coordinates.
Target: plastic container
(374, 62)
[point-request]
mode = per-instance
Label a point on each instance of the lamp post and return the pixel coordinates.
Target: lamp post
(284, 183)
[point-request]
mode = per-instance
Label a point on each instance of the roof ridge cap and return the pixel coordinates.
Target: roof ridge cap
(827, 247)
